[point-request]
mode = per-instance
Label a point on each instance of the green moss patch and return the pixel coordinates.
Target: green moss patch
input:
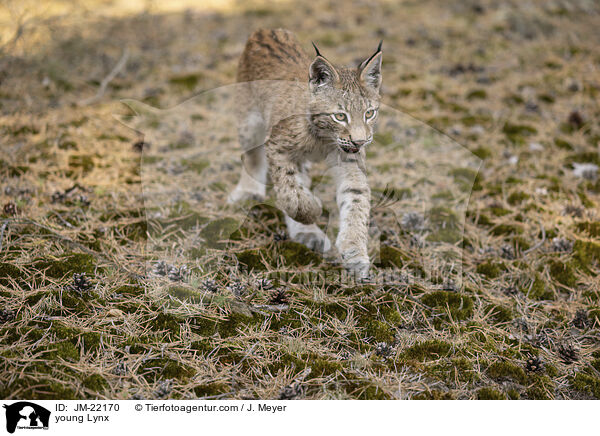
(296, 254)
(166, 322)
(211, 389)
(362, 389)
(182, 217)
(587, 384)
(379, 331)
(503, 371)
(216, 233)
(499, 314)
(477, 94)
(452, 370)
(538, 290)
(434, 394)
(36, 388)
(585, 253)
(518, 132)
(482, 152)
(186, 81)
(384, 138)
(8, 270)
(427, 350)
(489, 269)
(563, 273)
(235, 322)
(390, 257)
(196, 165)
(466, 179)
(95, 383)
(130, 289)
(203, 326)
(185, 294)
(591, 228)
(460, 306)
(253, 259)
(82, 162)
(517, 197)
(488, 393)
(444, 225)
(67, 264)
(63, 350)
(320, 366)
(164, 368)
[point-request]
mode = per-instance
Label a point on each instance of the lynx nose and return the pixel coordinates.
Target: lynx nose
(358, 143)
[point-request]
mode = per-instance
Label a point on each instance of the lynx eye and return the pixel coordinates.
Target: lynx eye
(370, 113)
(340, 116)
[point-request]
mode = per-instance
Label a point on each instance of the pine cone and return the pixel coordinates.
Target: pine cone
(562, 245)
(10, 208)
(291, 392)
(279, 297)
(581, 319)
(568, 354)
(383, 349)
(265, 284)
(412, 221)
(80, 283)
(120, 369)
(210, 285)
(161, 268)
(58, 197)
(164, 388)
(6, 315)
(178, 274)
(237, 288)
(449, 285)
(534, 364)
(507, 252)
(345, 355)
(280, 236)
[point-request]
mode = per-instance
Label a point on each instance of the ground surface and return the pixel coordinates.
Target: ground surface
(185, 297)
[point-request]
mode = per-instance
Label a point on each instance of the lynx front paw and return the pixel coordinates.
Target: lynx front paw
(358, 266)
(310, 235)
(301, 206)
(316, 241)
(354, 258)
(309, 208)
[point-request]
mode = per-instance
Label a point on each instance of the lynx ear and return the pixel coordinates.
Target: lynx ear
(370, 70)
(321, 72)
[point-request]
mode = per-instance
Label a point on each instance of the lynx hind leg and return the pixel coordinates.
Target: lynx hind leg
(310, 235)
(253, 177)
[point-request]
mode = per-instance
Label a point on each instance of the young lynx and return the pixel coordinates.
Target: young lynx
(317, 111)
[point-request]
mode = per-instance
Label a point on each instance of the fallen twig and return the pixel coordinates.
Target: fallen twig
(270, 307)
(107, 80)
(65, 222)
(4, 225)
(539, 244)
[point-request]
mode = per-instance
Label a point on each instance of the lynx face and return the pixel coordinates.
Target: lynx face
(344, 102)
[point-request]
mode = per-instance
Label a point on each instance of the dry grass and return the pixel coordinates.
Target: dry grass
(518, 86)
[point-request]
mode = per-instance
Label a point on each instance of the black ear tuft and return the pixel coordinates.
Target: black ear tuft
(364, 63)
(370, 70)
(316, 49)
